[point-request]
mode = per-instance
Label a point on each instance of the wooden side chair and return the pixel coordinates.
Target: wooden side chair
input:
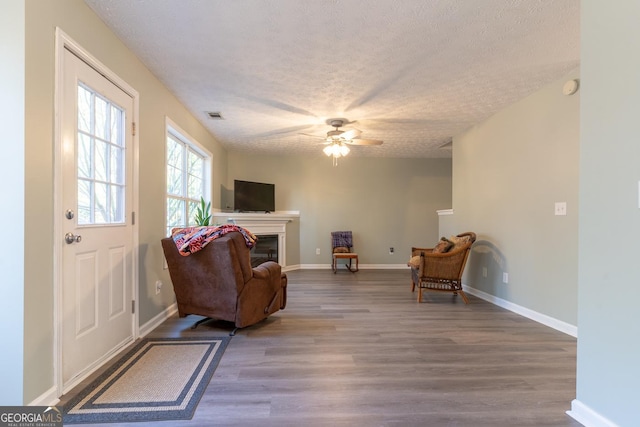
(341, 248)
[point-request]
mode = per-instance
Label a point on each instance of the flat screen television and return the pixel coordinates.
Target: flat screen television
(253, 196)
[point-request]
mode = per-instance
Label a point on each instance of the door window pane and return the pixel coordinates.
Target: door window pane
(85, 153)
(101, 117)
(117, 165)
(116, 127)
(101, 215)
(84, 202)
(100, 159)
(116, 210)
(84, 109)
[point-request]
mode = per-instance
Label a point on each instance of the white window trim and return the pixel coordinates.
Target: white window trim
(171, 128)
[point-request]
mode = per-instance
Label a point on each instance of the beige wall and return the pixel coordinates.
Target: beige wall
(385, 202)
(508, 172)
(81, 24)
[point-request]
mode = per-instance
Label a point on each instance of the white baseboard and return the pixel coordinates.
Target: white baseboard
(314, 266)
(360, 266)
(48, 398)
(386, 267)
(587, 416)
(551, 322)
(157, 320)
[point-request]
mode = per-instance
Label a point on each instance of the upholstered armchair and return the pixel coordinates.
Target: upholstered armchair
(218, 282)
(440, 268)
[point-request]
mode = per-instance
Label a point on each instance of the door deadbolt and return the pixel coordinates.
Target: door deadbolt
(69, 214)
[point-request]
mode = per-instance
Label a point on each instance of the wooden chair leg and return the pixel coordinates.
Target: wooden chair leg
(419, 293)
(464, 296)
(357, 268)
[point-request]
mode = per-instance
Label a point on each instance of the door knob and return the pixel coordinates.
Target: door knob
(70, 238)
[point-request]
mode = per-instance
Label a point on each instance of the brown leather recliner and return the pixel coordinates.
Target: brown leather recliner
(218, 282)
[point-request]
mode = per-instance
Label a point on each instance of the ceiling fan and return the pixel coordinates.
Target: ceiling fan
(337, 140)
(347, 136)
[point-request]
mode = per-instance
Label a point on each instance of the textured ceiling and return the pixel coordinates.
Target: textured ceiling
(412, 73)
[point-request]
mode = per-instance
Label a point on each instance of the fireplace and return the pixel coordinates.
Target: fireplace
(266, 227)
(265, 249)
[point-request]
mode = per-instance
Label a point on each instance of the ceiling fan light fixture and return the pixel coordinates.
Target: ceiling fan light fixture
(337, 141)
(328, 150)
(336, 150)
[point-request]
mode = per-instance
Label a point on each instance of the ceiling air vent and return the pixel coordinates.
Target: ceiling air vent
(215, 115)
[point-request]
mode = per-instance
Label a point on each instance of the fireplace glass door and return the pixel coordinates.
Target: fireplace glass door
(266, 249)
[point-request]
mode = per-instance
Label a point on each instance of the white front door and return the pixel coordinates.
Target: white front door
(97, 258)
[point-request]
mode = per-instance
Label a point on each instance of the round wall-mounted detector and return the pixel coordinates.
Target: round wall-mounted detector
(570, 87)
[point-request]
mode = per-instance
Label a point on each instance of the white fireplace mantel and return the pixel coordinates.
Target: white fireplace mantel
(262, 224)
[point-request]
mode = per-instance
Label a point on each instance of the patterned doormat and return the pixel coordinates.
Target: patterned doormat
(159, 379)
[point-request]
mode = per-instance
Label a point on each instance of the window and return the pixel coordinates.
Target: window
(100, 159)
(188, 177)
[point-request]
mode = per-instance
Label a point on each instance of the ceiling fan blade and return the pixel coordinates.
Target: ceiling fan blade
(350, 133)
(282, 131)
(279, 105)
(447, 145)
(313, 136)
(359, 141)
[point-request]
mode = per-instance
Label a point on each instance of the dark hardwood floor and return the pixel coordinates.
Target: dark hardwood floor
(356, 349)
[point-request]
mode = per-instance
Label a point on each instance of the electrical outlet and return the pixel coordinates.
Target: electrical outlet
(561, 208)
(317, 251)
(505, 277)
(158, 286)
(484, 271)
(391, 251)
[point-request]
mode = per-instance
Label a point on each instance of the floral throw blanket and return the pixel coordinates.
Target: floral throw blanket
(192, 239)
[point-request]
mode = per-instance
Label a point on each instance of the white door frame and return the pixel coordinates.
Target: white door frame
(63, 41)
